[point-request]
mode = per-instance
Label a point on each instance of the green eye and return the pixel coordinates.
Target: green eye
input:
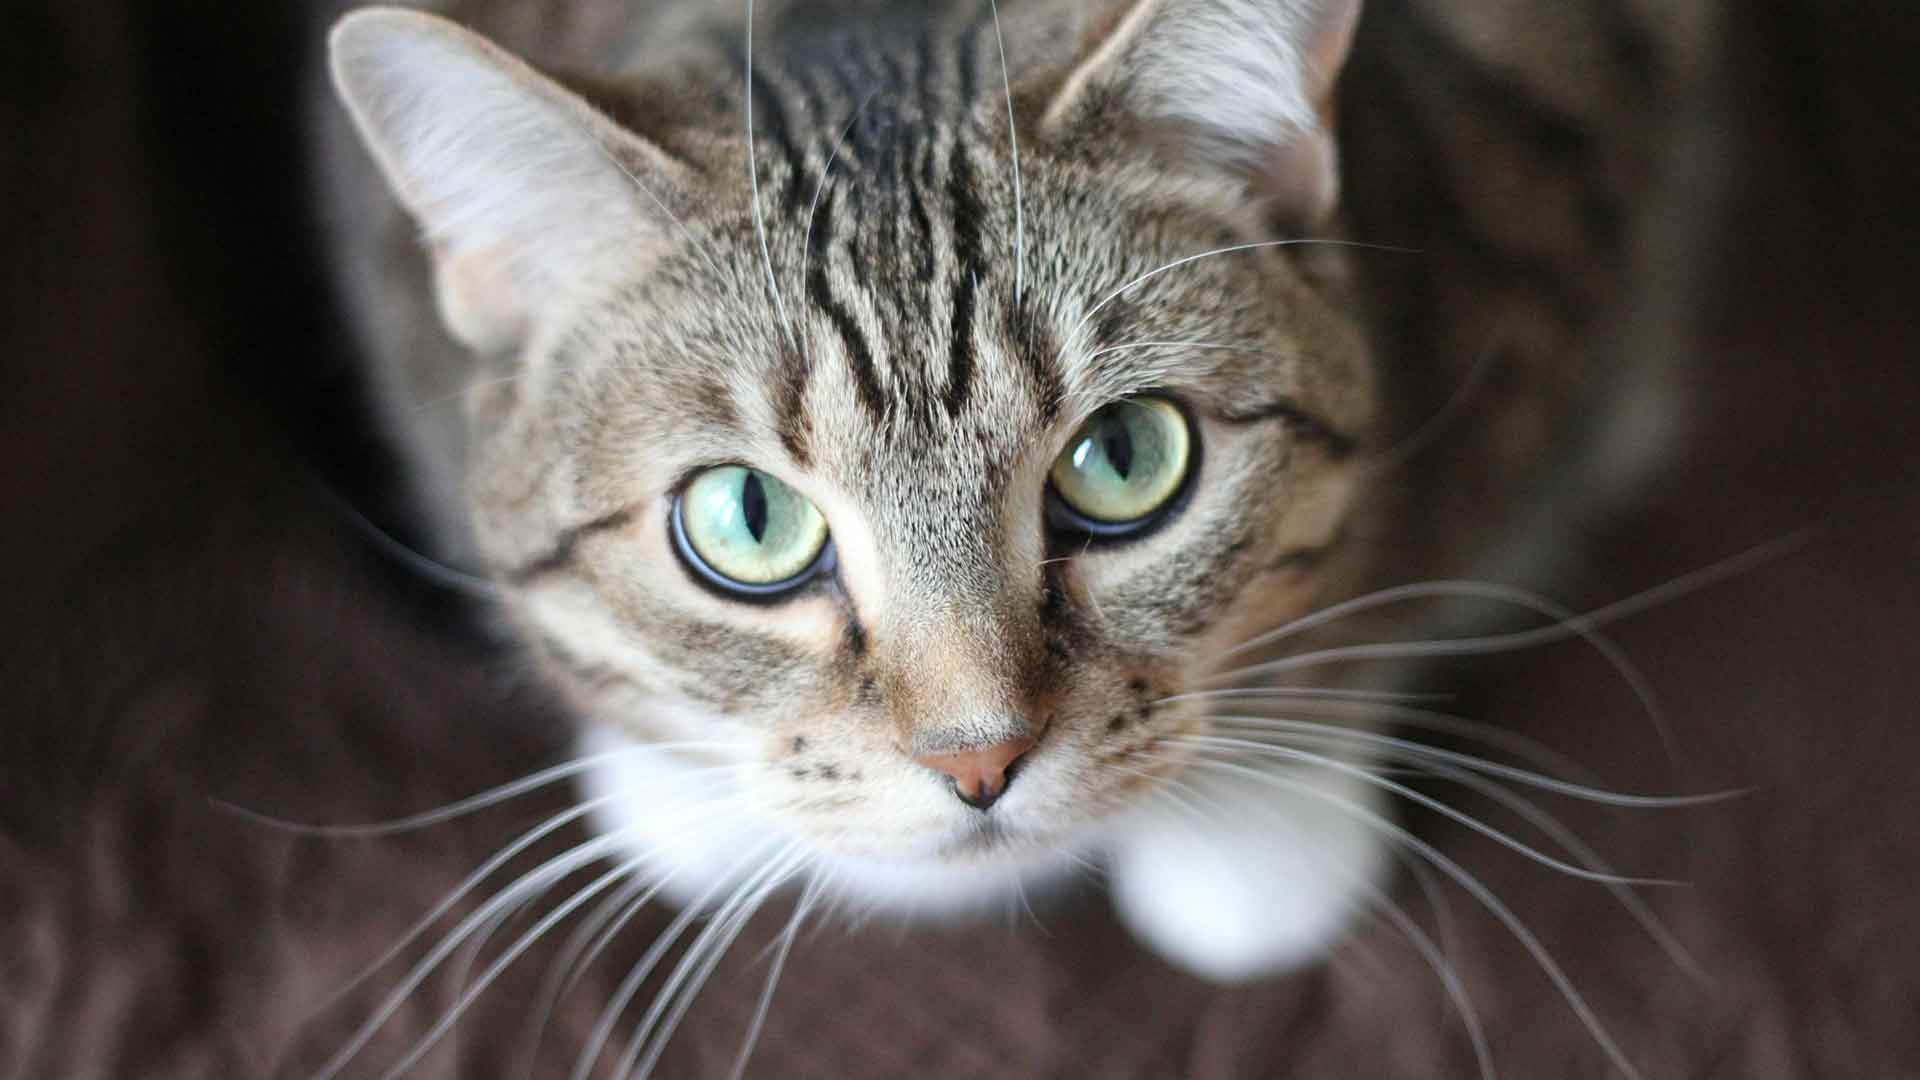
(1125, 463)
(747, 532)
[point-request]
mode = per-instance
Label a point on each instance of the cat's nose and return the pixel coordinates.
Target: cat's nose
(980, 776)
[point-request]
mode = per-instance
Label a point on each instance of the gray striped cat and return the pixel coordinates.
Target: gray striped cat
(933, 444)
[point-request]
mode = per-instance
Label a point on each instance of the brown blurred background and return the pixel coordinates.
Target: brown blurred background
(185, 615)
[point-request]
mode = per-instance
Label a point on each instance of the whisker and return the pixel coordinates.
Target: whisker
(554, 869)
(1424, 436)
(1326, 693)
(1570, 841)
(808, 898)
(470, 804)
(1013, 139)
(571, 965)
(753, 181)
(1443, 969)
(1511, 742)
(1421, 751)
(1308, 757)
(575, 956)
(466, 885)
(431, 569)
(1494, 905)
(610, 1015)
(1559, 833)
(694, 968)
(1568, 624)
(826, 175)
(694, 241)
(1074, 335)
(1203, 345)
(501, 963)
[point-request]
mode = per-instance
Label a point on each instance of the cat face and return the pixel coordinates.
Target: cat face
(912, 473)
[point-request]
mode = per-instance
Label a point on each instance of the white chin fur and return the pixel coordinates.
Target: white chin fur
(1262, 885)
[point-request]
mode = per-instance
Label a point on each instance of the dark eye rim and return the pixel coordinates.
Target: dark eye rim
(1070, 526)
(720, 584)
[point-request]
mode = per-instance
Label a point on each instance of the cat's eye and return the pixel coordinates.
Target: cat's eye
(747, 533)
(1122, 468)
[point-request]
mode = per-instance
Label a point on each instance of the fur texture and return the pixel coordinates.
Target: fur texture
(894, 256)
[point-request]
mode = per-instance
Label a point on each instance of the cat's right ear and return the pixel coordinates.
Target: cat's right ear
(524, 191)
(1241, 87)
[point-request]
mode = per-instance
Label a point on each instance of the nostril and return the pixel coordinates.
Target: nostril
(980, 776)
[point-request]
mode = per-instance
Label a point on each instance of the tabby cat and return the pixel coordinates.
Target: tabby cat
(927, 441)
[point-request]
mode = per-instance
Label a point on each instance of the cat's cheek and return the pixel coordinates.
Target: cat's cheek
(1284, 865)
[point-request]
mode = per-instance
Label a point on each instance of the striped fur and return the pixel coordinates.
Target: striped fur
(951, 234)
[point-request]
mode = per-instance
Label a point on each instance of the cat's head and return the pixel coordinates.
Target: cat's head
(919, 449)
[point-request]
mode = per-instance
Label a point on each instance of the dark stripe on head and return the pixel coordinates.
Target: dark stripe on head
(1037, 345)
(859, 353)
(561, 555)
(966, 247)
(791, 419)
(1303, 424)
(922, 223)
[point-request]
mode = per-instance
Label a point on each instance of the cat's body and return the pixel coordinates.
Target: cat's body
(897, 307)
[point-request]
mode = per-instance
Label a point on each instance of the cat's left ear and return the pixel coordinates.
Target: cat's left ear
(1241, 85)
(525, 191)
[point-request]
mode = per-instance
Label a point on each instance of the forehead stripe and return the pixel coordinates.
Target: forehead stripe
(966, 249)
(820, 291)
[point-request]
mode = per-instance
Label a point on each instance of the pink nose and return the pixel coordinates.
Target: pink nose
(979, 775)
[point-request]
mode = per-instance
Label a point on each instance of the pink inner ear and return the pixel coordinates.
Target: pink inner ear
(1302, 179)
(479, 300)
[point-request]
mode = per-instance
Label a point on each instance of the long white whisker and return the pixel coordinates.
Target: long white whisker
(1444, 970)
(694, 242)
(552, 870)
(1074, 335)
(1512, 742)
(1127, 346)
(451, 577)
(501, 963)
(1311, 693)
(1423, 436)
(571, 965)
(468, 884)
(1013, 140)
(694, 968)
(1420, 751)
(1436, 959)
(1476, 889)
(471, 804)
(1308, 757)
(753, 181)
(1569, 624)
(573, 958)
(610, 1015)
(1559, 833)
(808, 898)
(826, 175)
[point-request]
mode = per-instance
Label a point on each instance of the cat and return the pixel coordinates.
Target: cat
(925, 442)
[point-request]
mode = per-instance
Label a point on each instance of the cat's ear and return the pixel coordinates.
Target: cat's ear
(524, 190)
(1241, 85)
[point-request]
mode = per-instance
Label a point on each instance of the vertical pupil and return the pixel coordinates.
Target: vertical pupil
(1118, 443)
(753, 506)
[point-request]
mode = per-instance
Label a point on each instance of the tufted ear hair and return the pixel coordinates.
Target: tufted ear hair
(1241, 85)
(523, 190)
